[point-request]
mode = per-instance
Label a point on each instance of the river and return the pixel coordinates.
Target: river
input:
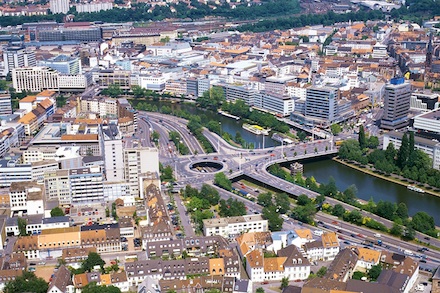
(228, 125)
(373, 187)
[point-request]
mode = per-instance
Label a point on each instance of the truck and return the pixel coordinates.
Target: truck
(369, 241)
(243, 192)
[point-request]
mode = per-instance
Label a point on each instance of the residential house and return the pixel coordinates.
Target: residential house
(342, 267)
(61, 282)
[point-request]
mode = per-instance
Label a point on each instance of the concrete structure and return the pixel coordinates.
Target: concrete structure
(34, 79)
(396, 104)
(5, 104)
(424, 101)
(429, 147)
(275, 103)
(428, 122)
(86, 185)
(233, 226)
(236, 92)
(63, 64)
(59, 6)
(321, 103)
(111, 140)
(16, 56)
(26, 197)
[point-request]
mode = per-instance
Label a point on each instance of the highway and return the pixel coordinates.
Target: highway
(254, 163)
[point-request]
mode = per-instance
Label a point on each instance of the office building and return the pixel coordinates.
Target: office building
(234, 226)
(138, 161)
(321, 103)
(428, 122)
(424, 101)
(34, 79)
(17, 56)
(396, 104)
(63, 64)
(86, 185)
(275, 103)
(83, 34)
(59, 6)
(26, 196)
(237, 92)
(57, 186)
(428, 146)
(5, 104)
(111, 140)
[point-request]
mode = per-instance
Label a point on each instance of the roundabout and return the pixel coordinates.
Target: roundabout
(206, 167)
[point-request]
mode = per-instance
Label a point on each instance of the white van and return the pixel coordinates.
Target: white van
(318, 232)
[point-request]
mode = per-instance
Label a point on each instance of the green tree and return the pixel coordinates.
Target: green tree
(349, 195)
(423, 222)
(386, 209)
(56, 212)
(330, 188)
(374, 272)
(338, 210)
(390, 152)
(361, 139)
(402, 155)
(93, 259)
(354, 217)
(212, 98)
(210, 194)
(284, 283)
(231, 208)
(304, 213)
(94, 288)
(22, 226)
(303, 200)
(138, 92)
(114, 90)
(411, 150)
(396, 230)
(373, 142)
(335, 129)
(155, 136)
(402, 211)
(282, 202)
(260, 290)
(321, 272)
(301, 135)
(167, 173)
(273, 218)
(265, 199)
(222, 180)
(27, 282)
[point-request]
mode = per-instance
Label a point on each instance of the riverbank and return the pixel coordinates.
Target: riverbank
(387, 178)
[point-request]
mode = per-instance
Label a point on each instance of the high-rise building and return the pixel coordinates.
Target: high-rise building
(63, 64)
(17, 56)
(86, 185)
(59, 6)
(111, 140)
(321, 103)
(138, 161)
(34, 79)
(5, 104)
(396, 104)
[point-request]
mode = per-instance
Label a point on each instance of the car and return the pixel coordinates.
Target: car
(264, 283)
(320, 222)
(346, 242)
(422, 260)
(32, 269)
(427, 238)
(326, 227)
(32, 264)
(123, 239)
(41, 263)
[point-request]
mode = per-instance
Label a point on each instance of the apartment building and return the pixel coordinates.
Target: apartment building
(26, 196)
(34, 79)
(273, 102)
(111, 139)
(86, 185)
(396, 104)
(17, 56)
(233, 226)
(5, 104)
(325, 249)
(237, 92)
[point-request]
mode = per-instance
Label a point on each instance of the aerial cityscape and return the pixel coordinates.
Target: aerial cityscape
(268, 146)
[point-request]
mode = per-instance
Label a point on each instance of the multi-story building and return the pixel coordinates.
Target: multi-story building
(13, 171)
(428, 146)
(70, 33)
(235, 92)
(111, 139)
(325, 249)
(63, 64)
(274, 102)
(321, 103)
(107, 77)
(396, 104)
(86, 185)
(5, 104)
(59, 6)
(93, 6)
(138, 161)
(34, 79)
(74, 83)
(57, 186)
(424, 101)
(26, 196)
(16, 56)
(233, 226)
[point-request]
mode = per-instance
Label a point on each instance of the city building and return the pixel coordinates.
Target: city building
(428, 146)
(396, 104)
(63, 64)
(237, 92)
(424, 101)
(321, 104)
(34, 79)
(274, 102)
(17, 56)
(234, 226)
(26, 196)
(86, 185)
(5, 104)
(113, 153)
(59, 6)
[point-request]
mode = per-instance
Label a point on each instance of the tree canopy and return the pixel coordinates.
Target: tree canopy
(93, 259)
(28, 282)
(94, 288)
(56, 212)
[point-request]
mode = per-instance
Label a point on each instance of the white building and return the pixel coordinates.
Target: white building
(86, 185)
(5, 104)
(233, 226)
(278, 104)
(93, 7)
(34, 79)
(59, 6)
(111, 139)
(26, 197)
(326, 249)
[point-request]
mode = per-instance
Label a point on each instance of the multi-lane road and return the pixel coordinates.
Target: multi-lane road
(254, 163)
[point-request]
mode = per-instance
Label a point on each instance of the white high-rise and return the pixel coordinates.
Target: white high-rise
(34, 79)
(59, 6)
(18, 57)
(111, 140)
